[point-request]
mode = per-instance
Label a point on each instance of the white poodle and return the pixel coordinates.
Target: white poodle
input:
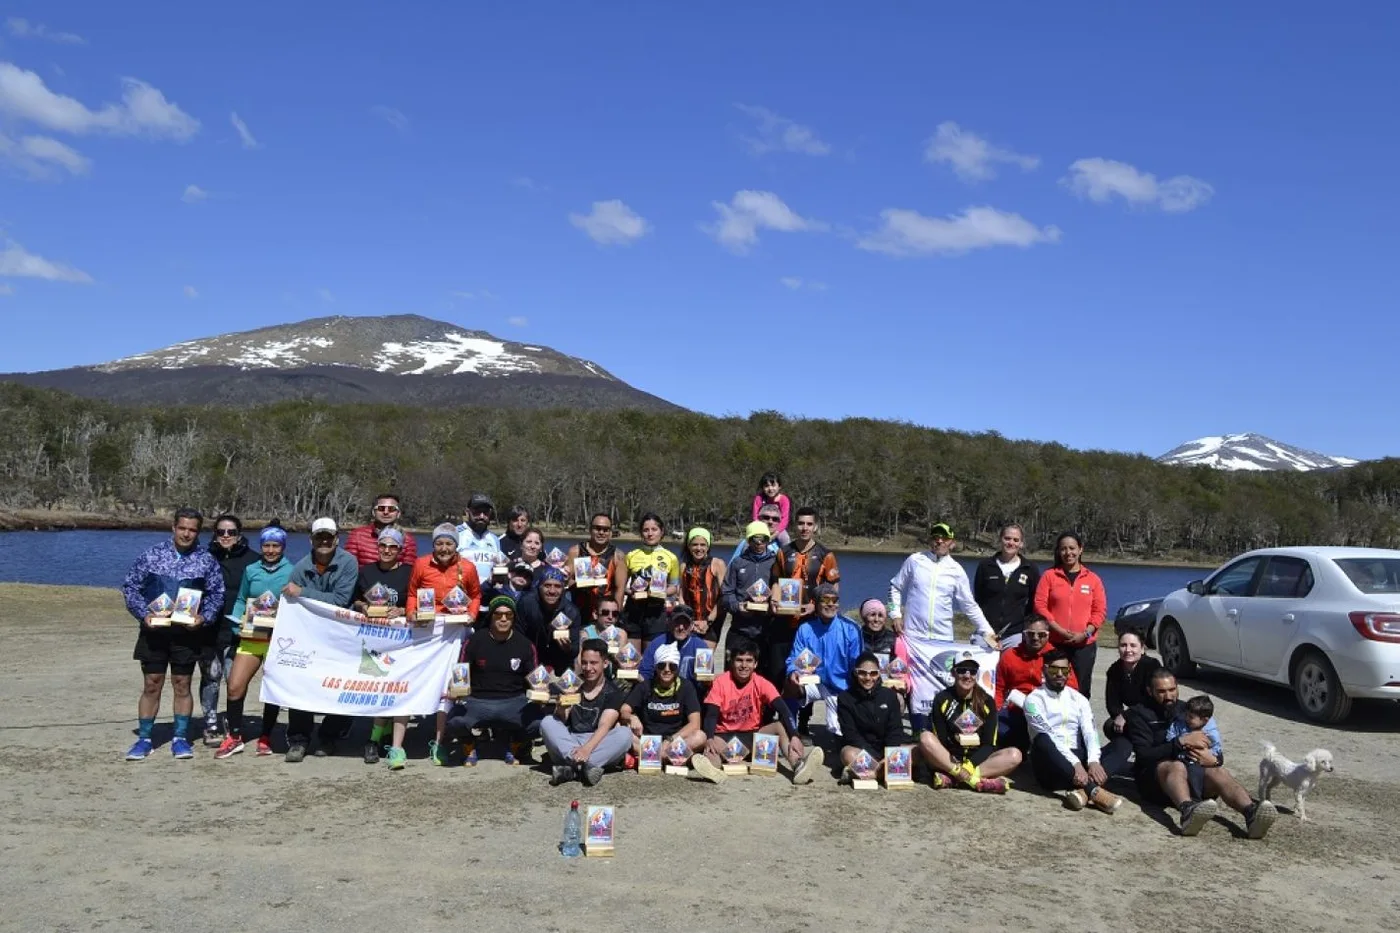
(1275, 769)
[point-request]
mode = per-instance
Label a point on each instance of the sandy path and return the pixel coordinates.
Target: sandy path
(91, 842)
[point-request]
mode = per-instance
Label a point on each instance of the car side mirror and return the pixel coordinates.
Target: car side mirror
(1196, 588)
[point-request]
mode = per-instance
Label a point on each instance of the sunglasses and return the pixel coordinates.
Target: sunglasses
(1035, 634)
(386, 546)
(667, 666)
(965, 672)
(1062, 671)
(227, 533)
(481, 512)
(830, 600)
(601, 527)
(607, 613)
(864, 673)
(386, 508)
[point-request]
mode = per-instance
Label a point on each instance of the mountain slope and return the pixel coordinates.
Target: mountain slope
(1250, 452)
(397, 359)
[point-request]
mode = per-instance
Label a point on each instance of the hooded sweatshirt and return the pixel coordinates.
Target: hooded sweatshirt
(743, 571)
(838, 643)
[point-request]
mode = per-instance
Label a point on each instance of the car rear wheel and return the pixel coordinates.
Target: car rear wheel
(1319, 690)
(1171, 643)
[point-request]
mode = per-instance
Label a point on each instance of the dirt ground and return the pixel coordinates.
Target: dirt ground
(90, 842)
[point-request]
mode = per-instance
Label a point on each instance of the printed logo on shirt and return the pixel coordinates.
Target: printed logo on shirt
(1085, 588)
(1021, 579)
(515, 664)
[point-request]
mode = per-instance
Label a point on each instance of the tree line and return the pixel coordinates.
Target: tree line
(877, 480)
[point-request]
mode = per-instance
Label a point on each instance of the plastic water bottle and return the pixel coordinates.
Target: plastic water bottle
(569, 846)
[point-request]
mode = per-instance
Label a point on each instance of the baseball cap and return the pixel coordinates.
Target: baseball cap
(480, 500)
(966, 660)
(324, 524)
(755, 529)
(682, 614)
(941, 530)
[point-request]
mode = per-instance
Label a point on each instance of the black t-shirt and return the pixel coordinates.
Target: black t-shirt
(663, 714)
(499, 667)
(584, 717)
(396, 581)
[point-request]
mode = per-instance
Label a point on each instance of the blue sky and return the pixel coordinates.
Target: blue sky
(1101, 224)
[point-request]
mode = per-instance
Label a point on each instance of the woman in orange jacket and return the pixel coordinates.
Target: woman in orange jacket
(1071, 598)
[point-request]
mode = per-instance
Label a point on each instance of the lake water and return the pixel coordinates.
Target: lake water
(101, 558)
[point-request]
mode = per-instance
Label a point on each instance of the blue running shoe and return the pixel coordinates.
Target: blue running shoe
(140, 751)
(180, 747)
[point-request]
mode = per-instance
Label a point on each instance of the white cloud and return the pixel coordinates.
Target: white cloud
(611, 222)
(972, 157)
(38, 156)
(1100, 179)
(325, 295)
(481, 294)
(191, 291)
(24, 29)
(244, 134)
(797, 284)
(791, 282)
(750, 211)
(143, 110)
(395, 118)
(194, 194)
(779, 134)
(518, 321)
(17, 262)
(909, 233)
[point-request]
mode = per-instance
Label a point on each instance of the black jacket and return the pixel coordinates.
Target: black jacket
(870, 719)
(1125, 690)
(1006, 603)
(1146, 727)
(533, 618)
(233, 561)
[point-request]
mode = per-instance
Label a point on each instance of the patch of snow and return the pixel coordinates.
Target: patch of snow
(454, 353)
(1234, 463)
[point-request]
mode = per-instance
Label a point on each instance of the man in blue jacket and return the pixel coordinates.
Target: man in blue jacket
(164, 570)
(837, 641)
(328, 574)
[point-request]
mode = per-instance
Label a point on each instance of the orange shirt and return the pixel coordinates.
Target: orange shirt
(741, 709)
(1072, 606)
(428, 573)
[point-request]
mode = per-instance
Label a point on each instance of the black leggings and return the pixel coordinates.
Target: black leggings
(1082, 659)
(1051, 770)
(299, 723)
(234, 715)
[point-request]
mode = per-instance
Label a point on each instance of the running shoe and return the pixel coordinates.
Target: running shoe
(397, 759)
(1076, 799)
(518, 754)
(707, 769)
(437, 753)
(802, 773)
(993, 786)
(180, 747)
(140, 750)
(212, 736)
(940, 781)
(591, 775)
(231, 746)
(264, 747)
(296, 753)
(1105, 802)
(324, 749)
(1195, 816)
(561, 774)
(469, 758)
(1259, 818)
(629, 762)
(371, 753)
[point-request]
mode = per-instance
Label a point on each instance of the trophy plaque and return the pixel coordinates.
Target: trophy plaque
(569, 685)
(807, 663)
(537, 685)
(613, 637)
(896, 675)
(756, 597)
(789, 602)
(259, 617)
(628, 657)
(649, 754)
(461, 683)
(967, 725)
(864, 768)
(589, 572)
(678, 757)
(555, 558)
(899, 767)
(559, 627)
(500, 567)
(704, 664)
(186, 610)
(639, 586)
(427, 605)
(656, 585)
(378, 599)
(455, 603)
(734, 754)
(765, 754)
(598, 841)
(158, 611)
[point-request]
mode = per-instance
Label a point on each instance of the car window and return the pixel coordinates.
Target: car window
(1285, 578)
(1372, 574)
(1234, 579)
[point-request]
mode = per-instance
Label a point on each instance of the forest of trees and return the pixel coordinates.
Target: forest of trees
(871, 479)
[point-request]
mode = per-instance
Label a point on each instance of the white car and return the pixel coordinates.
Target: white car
(1323, 620)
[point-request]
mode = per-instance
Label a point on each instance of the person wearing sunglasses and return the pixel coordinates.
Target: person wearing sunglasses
(363, 542)
(754, 564)
(960, 743)
(475, 539)
(664, 703)
(836, 640)
(869, 715)
(230, 548)
(1020, 671)
(598, 546)
(500, 657)
(680, 635)
(1064, 742)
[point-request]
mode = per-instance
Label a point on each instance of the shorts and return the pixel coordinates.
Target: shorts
(253, 649)
(1150, 789)
(821, 693)
(178, 649)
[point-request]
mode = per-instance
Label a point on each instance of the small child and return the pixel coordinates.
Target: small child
(1198, 717)
(770, 492)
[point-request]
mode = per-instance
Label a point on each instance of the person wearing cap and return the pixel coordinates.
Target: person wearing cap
(269, 575)
(1064, 742)
(231, 549)
(163, 570)
(328, 575)
(702, 574)
(928, 589)
(475, 539)
(664, 703)
(1020, 670)
(770, 517)
(363, 542)
(834, 639)
(681, 636)
(600, 548)
(869, 714)
(500, 657)
(587, 737)
(390, 572)
(535, 615)
(753, 564)
(960, 743)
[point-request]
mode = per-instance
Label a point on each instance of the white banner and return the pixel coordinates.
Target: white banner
(931, 669)
(328, 660)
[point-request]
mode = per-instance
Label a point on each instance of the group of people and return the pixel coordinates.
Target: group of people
(573, 611)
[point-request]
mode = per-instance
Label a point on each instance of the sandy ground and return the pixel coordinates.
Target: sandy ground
(92, 842)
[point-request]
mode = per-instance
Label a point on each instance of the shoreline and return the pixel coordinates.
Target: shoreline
(66, 520)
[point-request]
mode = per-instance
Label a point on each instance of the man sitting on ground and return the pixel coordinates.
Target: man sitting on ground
(1064, 743)
(960, 741)
(500, 657)
(585, 738)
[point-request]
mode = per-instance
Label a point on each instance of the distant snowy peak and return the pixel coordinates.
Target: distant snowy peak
(1250, 452)
(403, 344)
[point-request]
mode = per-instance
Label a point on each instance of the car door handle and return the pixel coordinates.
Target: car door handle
(1288, 618)
(1232, 613)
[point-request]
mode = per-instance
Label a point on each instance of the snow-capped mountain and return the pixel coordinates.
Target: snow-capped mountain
(1250, 452)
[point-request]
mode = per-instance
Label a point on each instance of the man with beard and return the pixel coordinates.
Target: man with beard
(475, 540)
(536, 613)
(500, 658)
(1064, 743)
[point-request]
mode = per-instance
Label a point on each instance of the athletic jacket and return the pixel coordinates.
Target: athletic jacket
(336, 586)
(1072, 606)
(741, 574)
(870, 719)
(1066, 718)
(363, 545)
(1015, 671)
(838, 643)
(1005, 601)
(925, 593)
(163, 569)
(258, 579)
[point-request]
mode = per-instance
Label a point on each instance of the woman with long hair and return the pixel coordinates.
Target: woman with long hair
(960, 743)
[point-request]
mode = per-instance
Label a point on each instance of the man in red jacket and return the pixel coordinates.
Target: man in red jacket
(1019, 671)
(363, 542)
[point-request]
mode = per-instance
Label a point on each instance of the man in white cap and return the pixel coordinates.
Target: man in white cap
(328, 574)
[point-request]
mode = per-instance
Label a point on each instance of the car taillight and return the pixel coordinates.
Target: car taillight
(1377, 626)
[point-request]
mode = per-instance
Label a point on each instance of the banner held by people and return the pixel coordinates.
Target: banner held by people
(328, 660)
